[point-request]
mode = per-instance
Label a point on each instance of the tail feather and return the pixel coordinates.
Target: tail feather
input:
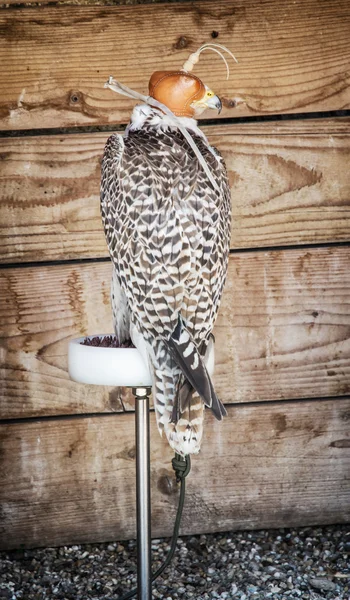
(192, 366)
(218, 406)
(189, 427)
(181, 387)
(183, 428)
(185, 396)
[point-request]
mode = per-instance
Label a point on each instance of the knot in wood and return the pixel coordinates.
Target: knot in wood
(229, 102)
(74, 97)
(181, 43)
(167, 485)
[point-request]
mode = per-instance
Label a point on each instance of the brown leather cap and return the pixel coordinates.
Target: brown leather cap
(177, 90)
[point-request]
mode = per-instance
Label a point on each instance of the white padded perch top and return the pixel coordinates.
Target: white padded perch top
(106, 366)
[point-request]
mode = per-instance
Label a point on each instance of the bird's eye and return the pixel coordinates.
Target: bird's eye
(210, 94)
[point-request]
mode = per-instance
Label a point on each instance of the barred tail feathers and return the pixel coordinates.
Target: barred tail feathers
(184, 433)
(164, 389)
(189, 425)
(179, 408)
(193, 367)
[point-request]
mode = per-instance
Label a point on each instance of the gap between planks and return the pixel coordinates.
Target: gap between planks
(203, 123)
(106, 259)
(94, 415)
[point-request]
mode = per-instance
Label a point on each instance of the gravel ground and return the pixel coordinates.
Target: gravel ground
(311, 563)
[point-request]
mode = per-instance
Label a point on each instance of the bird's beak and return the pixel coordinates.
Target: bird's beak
(215, 102)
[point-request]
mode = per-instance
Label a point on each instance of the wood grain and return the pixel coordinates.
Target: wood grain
(292, 58)
(283, 331)
(290, 184)
(280, 465)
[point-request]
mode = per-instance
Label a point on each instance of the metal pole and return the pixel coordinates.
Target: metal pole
(143, 494)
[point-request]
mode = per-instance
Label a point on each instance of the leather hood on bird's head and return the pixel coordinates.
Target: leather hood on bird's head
(177, 90)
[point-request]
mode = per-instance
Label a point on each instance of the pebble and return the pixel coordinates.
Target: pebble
(287, 564)
(322, 584)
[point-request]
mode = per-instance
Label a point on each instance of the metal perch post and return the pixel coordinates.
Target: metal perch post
(143, 493)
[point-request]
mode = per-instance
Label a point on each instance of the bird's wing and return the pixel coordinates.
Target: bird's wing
(144, 232)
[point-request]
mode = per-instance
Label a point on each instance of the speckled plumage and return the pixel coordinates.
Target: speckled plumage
(168, 234)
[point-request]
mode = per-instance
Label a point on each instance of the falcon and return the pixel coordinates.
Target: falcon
(165, 205)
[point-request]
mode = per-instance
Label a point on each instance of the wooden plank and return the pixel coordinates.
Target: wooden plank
(284, 326)
(55, 60)
(280, 465)
(290, 185)
(283, 331)
(40, 311)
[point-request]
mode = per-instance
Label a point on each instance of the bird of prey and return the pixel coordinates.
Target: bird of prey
(165, 205)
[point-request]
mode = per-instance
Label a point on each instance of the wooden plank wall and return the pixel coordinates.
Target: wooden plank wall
(281, 458)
